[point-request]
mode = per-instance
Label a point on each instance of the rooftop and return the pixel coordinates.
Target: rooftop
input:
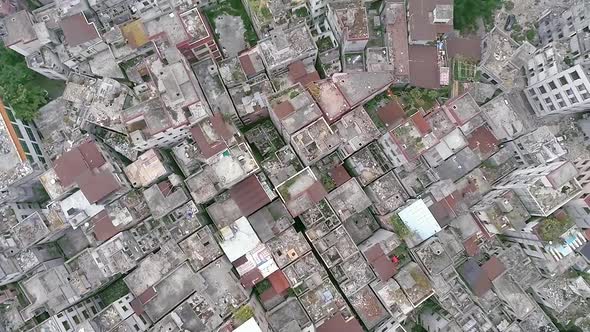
(370, 310)
(281, 165)
(414, 136)
(169, 292)
(329, 98)
(289, 316)
(369, 163)
(458, 165)
(353, 20)
(224, 170)
(513, 296)
(420, 221)
(164, 197)
(19, 28)
(539, 146)
(323, 301)
(356, 130)
(462, 108)
(397, 37)
(305, 273)
(294, 108)
(319, 220)
(252, 193)
(348, 199)
(286, 47)
(359, 87)
(30, 230)
(394, 298)
(201, 248)
(433, 256)
(386, 193)
(147, 169)
(501, 210)
(288, 246)
(77, 30)
(271, 220)
(498, 53)
(414, 283)
(155, 267)
(429, 18)
(301, 192)
(195, 26)
(424, 70)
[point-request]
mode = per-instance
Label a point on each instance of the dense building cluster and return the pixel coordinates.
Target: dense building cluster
(296, 165)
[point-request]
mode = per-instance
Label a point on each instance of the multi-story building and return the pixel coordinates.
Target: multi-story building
(553, 90)
(23, 160)
(285, 47)
(427, 19)
(350, 25)
(24, 35)
(537, 147)
(579, 208)
(544, 189)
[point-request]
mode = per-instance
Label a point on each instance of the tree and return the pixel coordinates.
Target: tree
(17, 85)
(467, 12)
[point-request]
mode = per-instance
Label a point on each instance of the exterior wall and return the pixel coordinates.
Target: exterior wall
(73, 316)
(23, 210)
(566, 92)
(29, 139)
(165, 139)
(579, 209)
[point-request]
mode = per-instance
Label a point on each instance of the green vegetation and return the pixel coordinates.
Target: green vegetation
(399, 227)
(19, 86)
(233, 8)
(464, 70)
(242, 314)
(550, 229)
(262, 286)
(402, 254)
(260, 9)
(324, 44)
(328, 182)
(531, 35)
(467, 13)
(418, 98)
(301, 12)
(113, 292)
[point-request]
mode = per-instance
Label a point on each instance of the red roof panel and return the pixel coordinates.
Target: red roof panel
(249, 195)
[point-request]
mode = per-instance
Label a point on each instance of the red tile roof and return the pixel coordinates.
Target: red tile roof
(97, 186)
(337, 324)
(442, 212)
(421, 123)
(147, 295)
(466, 47)
(207, 148)
(383, 266)
(391, 114)
(493, 268)
(420, 19)
(247, 65)
(71, 164)
(283, 109)
(103, 226)
(424, 71)
(91, 154)
(77, 30)
(340, 175)
(471, 246)
(278, 281)
(483, 140)
(251, 278)
(249, 195)
(298, 74)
